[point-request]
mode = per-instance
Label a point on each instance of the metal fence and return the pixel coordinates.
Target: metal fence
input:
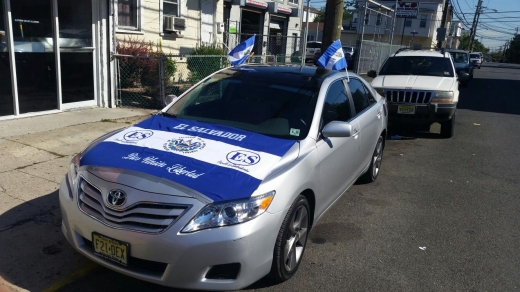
(145, 81)
(373, 54)
(274, 45)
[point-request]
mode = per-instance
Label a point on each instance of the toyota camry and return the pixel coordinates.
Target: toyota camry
(222, 186)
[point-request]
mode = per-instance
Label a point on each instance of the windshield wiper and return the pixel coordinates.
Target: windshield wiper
(165, 114)
(396, 73)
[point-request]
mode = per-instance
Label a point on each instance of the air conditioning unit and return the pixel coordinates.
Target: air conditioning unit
(173, 23)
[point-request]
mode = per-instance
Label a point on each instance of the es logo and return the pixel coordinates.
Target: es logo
(245, 158)
(137, 135)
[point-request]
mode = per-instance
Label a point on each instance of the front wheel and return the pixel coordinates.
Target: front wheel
(375, 163)
(448, 128)
(291, 241)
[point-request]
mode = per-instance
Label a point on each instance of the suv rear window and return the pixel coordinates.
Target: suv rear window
(417, 65)
(474, 56)
(314, 45)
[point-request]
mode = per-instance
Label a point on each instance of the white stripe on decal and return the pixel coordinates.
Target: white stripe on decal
(254, 163)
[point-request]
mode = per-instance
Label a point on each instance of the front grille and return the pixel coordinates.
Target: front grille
(136, 264)
(409, 96)
(146, 217)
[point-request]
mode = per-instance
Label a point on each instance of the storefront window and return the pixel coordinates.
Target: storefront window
(6, 94)
(76, 52)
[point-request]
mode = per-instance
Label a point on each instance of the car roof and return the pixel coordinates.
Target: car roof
(420, 53)
(288, 72)
(456, 51)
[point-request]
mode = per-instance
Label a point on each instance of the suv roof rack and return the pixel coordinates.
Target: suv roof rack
(402, 49)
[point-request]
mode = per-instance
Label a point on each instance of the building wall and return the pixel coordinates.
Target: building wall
(152, 26)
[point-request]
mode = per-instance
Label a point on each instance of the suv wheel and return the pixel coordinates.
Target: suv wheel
(448, 128)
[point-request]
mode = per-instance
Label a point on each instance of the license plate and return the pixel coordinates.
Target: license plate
(406, 109)
(110, 249)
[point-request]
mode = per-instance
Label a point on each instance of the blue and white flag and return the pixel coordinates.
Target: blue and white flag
(221, 162)
(240, 53)
(333, 58)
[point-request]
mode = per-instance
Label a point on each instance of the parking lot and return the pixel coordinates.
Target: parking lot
(442, 216)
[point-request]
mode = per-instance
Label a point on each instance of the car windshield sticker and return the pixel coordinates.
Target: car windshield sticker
(223, 163)
(295, 132)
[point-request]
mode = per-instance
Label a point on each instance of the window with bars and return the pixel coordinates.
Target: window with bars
(407, 22)
(128, 14)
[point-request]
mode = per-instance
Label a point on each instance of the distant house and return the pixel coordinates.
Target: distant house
(420, 32)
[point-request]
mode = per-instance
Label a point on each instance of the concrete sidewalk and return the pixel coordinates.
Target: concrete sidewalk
(34, 158)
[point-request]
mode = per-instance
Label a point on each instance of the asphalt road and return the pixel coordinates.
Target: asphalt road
(442, 216)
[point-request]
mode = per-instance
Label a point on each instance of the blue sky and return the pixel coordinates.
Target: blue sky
(495, 27)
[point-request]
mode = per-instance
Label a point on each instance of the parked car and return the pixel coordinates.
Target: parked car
(223, 186)
(312, 48)
(462, 64)
(476, 59)
(421, 88)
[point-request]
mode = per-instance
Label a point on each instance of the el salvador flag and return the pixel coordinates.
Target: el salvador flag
(333, 58)
(240, 53)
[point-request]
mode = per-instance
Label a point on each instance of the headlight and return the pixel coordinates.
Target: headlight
(73, 171)
(381, 91)
(229, 213)
(443, 96)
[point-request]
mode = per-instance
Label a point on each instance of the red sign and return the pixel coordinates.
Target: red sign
(285, 10)
(256, 3)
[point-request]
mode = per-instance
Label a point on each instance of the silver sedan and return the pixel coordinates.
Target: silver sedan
(223, 186)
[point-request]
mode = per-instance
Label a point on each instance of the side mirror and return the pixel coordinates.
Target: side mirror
(337, 129)
(372, 73)
(463, 77)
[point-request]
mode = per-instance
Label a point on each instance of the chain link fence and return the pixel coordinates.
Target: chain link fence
(372, 55)
(145, 81)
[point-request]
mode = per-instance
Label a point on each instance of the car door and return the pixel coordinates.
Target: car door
(368, 114)
(338, 155)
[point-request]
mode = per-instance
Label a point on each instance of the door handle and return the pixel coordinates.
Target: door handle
(379, 114)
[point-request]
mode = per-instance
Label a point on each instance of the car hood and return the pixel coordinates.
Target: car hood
(223, 163)
(413, 82)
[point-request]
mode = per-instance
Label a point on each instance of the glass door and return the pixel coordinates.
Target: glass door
(6, 93)
(34, 55)
(76, 50)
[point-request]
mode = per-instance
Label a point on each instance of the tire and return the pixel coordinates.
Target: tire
(448, 128)
(291, 241)
(375, 163)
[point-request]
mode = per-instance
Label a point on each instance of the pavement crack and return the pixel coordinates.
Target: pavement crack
(41, 149)
(40, 177)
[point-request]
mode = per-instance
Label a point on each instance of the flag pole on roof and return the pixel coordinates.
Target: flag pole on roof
(333, 58)
(242, 51)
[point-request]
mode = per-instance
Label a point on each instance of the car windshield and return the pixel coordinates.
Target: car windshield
(418, 65)
(474, 56)
(459, 57)
(278, 104)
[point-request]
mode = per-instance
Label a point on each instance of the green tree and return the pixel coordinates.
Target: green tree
(513, 53)
(477, 46)
(348, 11)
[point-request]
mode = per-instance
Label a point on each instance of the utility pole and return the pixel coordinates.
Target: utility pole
(443, 22)
(474, 26)
(332, 24)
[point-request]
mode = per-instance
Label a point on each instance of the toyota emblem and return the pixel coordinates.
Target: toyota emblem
(116, 198)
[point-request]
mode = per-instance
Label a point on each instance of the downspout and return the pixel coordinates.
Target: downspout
(200, 22)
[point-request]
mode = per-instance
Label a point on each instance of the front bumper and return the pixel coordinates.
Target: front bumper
(176, 259)
(424, 114)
